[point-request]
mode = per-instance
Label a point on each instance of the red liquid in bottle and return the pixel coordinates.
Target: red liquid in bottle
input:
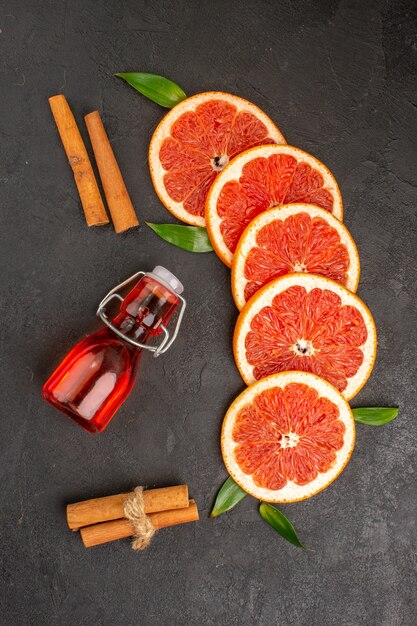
(97, 375)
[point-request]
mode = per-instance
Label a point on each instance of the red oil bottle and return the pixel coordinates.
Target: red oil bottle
(97, 375)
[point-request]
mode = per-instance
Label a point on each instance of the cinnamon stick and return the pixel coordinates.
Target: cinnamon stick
(95, 213)
(118, 200)
(119, 529)
(111, 507)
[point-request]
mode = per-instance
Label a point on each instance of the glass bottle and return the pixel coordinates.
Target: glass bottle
(97, 375)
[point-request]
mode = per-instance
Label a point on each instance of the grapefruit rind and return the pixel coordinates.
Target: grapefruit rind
(248, 241)
(233, 171)
(291, 492)
(264, 297)
(163, 130)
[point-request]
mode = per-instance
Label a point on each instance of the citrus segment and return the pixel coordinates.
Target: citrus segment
(259, 179)
(287, 437)
(293, 238)
(310, 323)
(195, 141)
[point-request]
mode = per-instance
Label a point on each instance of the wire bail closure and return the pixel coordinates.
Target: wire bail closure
(167, 340)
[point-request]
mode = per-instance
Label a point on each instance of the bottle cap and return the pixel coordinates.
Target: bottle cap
(165, 276)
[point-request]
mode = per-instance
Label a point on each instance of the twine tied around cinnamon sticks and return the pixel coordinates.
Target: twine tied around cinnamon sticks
(138, 514)
(134, 510)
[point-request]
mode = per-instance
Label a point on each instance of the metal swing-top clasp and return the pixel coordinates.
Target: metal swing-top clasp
(168, 339)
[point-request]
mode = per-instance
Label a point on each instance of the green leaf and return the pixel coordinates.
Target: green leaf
(375, 416)
(229, 495)
(280, 523)
(156, 88)
(191, 238)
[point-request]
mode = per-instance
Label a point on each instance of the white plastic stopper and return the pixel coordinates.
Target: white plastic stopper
(167, 277)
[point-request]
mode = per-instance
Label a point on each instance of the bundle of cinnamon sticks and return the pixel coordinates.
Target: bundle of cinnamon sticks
(121, 209)
(102, 520)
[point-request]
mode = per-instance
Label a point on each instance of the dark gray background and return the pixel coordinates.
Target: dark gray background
(339, 78)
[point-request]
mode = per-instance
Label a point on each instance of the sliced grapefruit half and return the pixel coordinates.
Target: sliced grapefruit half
(262, 178)
(195, 141)
(309, 323)
(287, 437)
(293, 238)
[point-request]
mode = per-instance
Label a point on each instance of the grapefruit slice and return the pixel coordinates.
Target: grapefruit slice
(293, 238)
(310, 323)
(287, 437)
(193, 143)
(259, 179)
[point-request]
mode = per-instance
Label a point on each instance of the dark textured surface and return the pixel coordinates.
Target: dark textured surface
(340, 80)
